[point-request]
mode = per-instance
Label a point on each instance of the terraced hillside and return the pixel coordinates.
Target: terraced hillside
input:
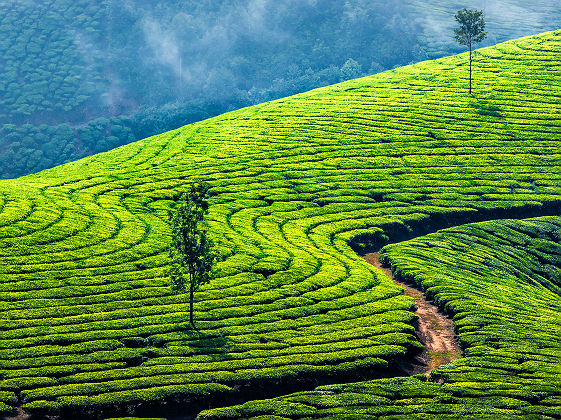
(89, 322)
(502, 281)
(79, 77)
(72, 83)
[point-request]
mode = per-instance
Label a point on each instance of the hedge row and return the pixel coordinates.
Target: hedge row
(86, 312)
(501, 282)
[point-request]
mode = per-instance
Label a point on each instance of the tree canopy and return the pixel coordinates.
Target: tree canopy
(471, 30)
(472, 26)
(190, 248)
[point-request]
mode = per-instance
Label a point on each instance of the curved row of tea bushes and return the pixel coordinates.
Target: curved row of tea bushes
(501, 282)
(89, 324)
(72, 83)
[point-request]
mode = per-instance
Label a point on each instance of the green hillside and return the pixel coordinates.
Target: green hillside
(502, 281)
(89, 323)
(80, 77)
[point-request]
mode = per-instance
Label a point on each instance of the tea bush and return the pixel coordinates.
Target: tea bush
(90, 324)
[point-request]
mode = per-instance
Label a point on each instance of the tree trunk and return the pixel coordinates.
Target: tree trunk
(470, 68)
(191, 293)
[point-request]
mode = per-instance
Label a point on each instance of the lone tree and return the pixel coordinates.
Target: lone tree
(190, 249)
(471, 30)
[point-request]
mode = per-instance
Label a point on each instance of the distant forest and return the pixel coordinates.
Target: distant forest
(79, 77)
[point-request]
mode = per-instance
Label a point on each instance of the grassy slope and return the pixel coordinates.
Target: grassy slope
(86, 314)
(502, 281)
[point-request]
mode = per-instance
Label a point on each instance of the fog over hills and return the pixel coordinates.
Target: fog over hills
(80, 77)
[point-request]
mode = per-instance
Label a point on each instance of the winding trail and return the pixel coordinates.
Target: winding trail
(435, 330)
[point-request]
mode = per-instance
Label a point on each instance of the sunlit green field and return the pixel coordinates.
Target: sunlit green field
(502, 282)
(89, 323)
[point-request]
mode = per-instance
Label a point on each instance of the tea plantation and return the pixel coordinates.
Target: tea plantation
(502, 282)
(90, 325)
(79, 77)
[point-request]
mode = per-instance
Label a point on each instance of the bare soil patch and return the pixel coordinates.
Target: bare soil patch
(434, 329)
(20, 415)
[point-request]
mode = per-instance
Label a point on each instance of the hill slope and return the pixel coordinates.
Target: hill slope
(87, 317)
(502, 281)
(79, 77)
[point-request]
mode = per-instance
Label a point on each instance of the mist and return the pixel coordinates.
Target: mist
(262, 49)
(82, 77)
(505, 20)
(245, 47)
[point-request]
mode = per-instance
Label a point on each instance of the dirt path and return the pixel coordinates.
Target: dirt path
(20, 415)
(435, 330)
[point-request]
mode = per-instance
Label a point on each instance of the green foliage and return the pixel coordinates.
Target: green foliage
(87, 314)
(190, 249)
(489, 278)
(76, 62)
(472, 27)
(471, 31)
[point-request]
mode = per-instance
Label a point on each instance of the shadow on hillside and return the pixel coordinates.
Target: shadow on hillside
(393, 232)
(487, 108)
(215, 346)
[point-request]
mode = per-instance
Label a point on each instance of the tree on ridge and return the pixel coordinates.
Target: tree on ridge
(190, 248)
(471, 30)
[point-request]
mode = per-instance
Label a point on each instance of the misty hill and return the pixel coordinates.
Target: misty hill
(89, 323)
(81, 77)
